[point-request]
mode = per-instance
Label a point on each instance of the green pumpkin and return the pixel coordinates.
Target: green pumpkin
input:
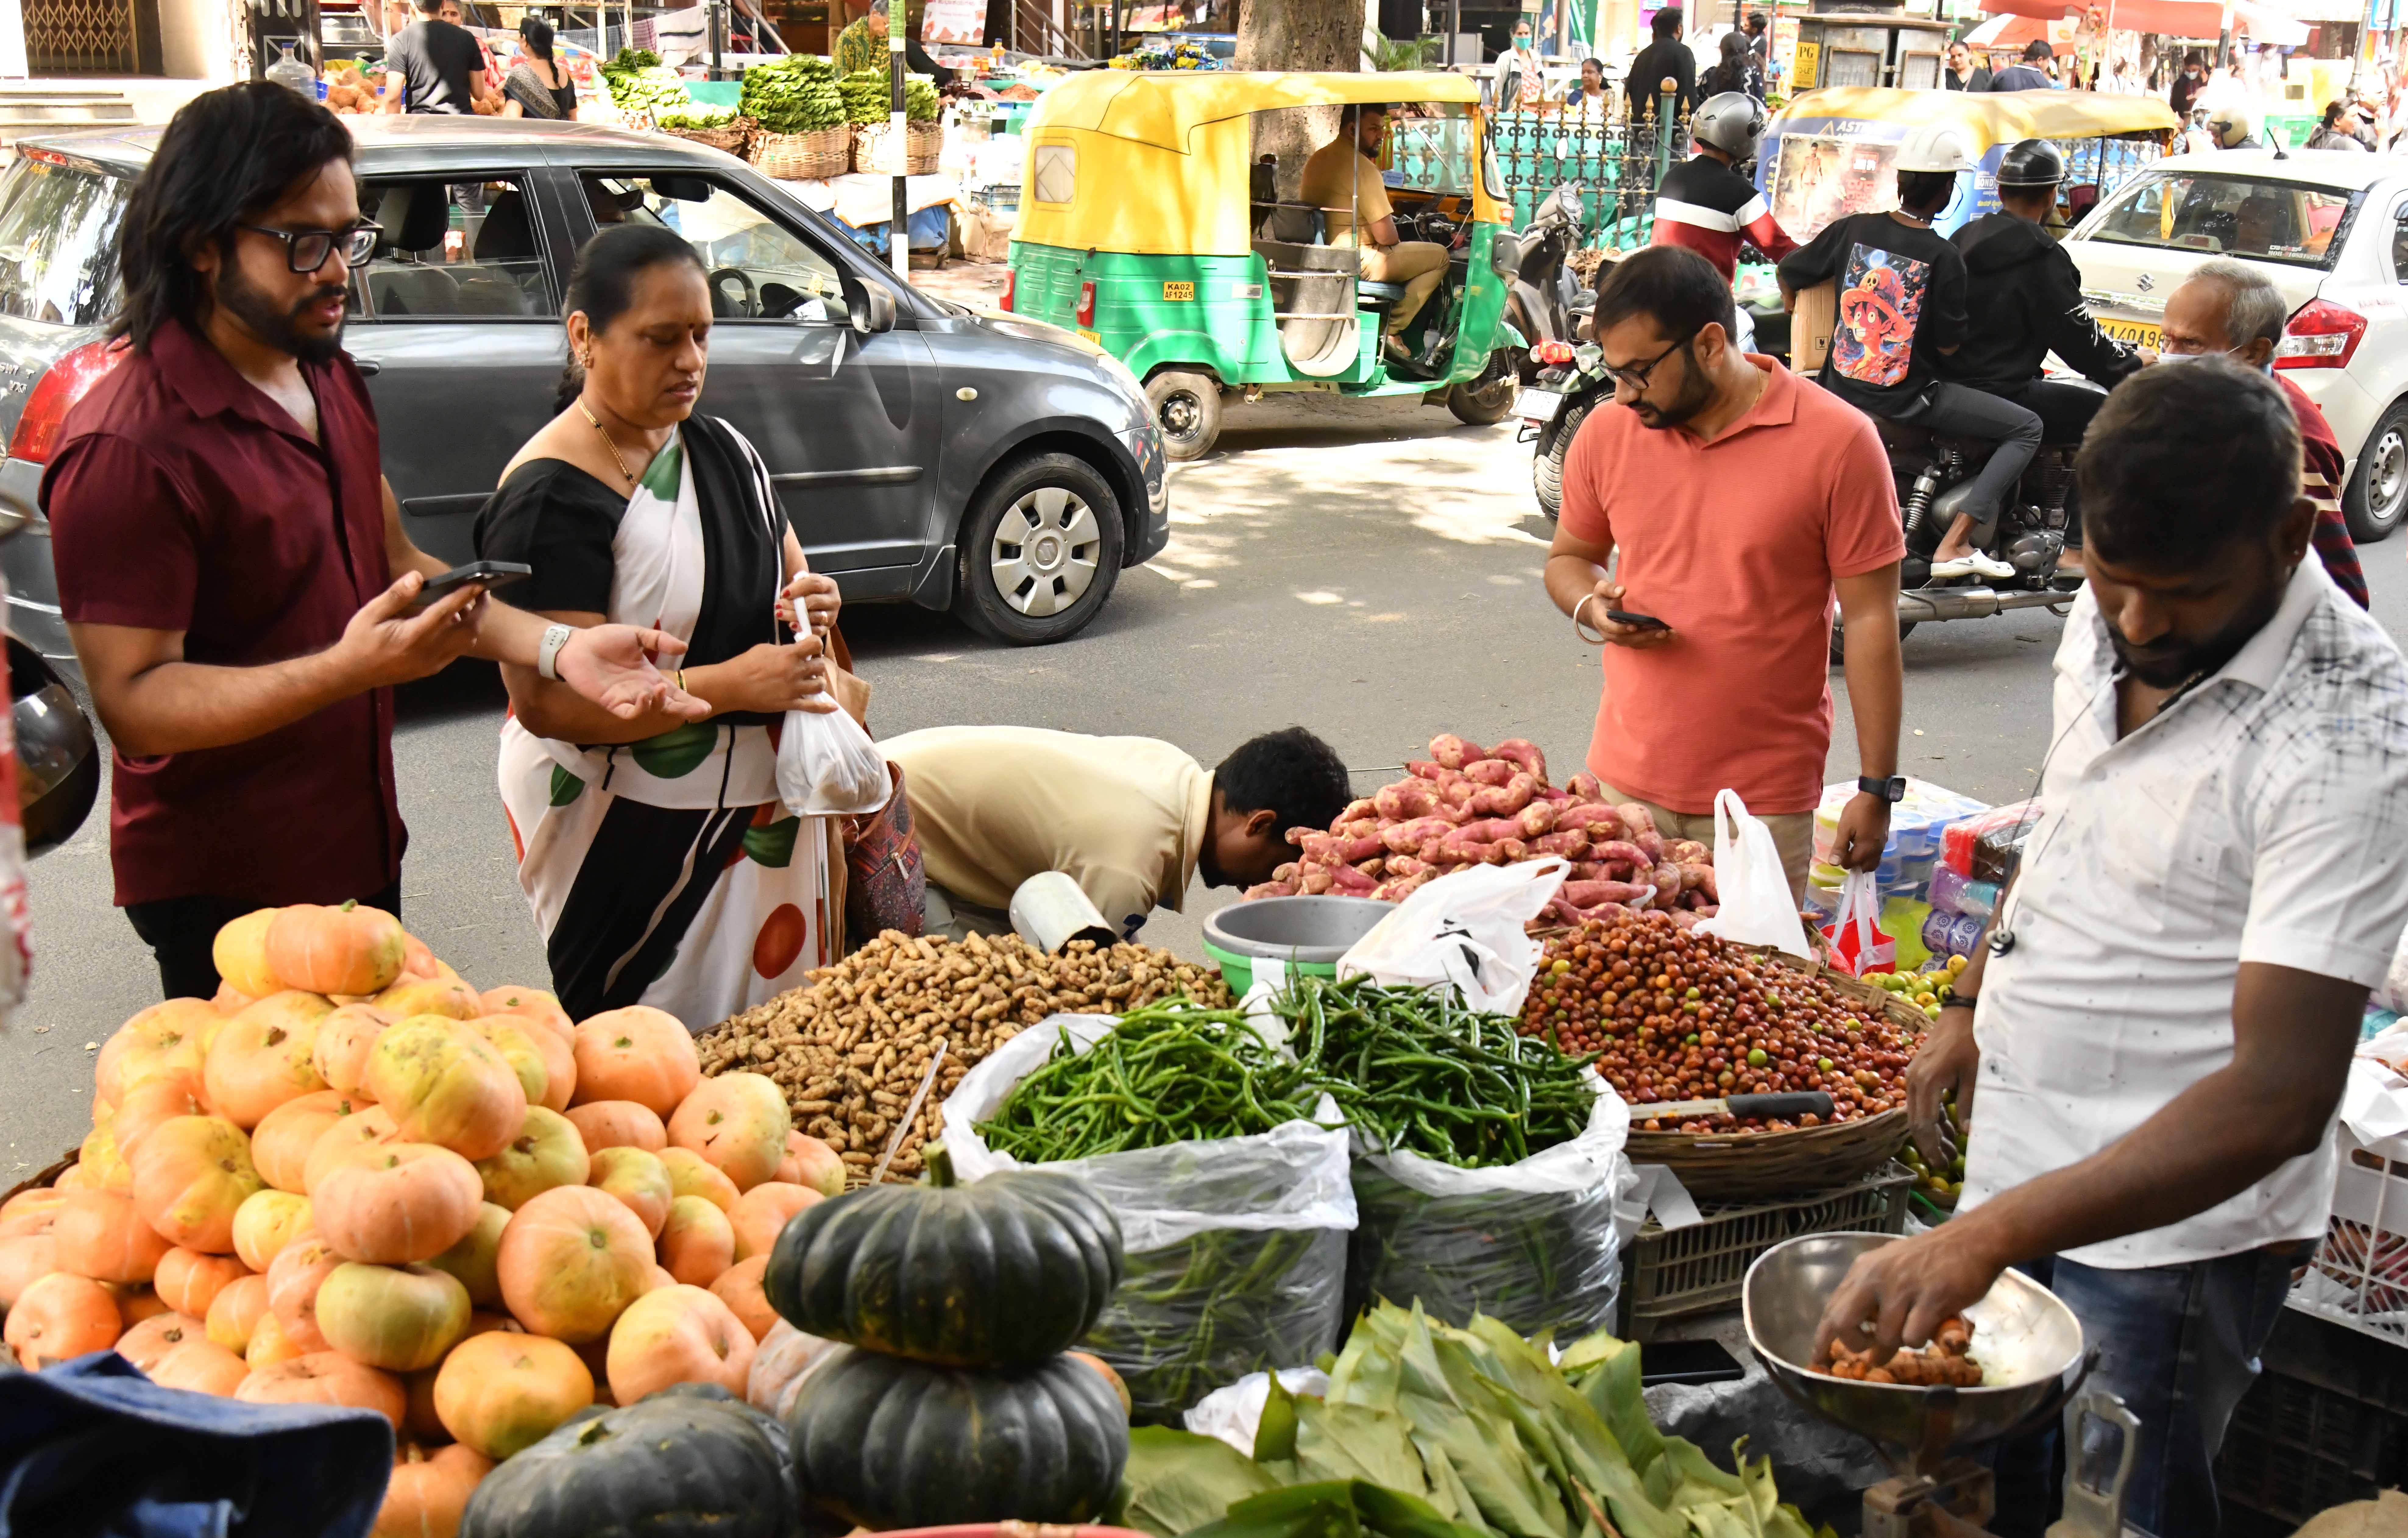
(1003, 1273)
(879, 1442)
(663, 1468)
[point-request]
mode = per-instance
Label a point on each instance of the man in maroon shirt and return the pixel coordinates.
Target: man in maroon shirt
(226, 547)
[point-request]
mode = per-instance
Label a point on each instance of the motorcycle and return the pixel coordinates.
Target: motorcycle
(1571, 381)
(1541, 294)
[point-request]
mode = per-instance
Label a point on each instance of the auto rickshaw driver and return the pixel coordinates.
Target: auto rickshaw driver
(1342, 180)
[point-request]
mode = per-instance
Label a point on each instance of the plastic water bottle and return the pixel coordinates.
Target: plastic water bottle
(292, 74)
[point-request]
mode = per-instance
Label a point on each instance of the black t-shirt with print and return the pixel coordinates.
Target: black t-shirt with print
(1901, 299)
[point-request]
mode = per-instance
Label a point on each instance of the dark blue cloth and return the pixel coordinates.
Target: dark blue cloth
(90, 1448)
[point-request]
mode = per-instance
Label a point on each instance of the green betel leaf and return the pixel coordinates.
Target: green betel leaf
(1177, 1481)
(1275, 1432)
(1448, 1494)
(1301, 1511)
(1354, 1442)
(1508, 1489)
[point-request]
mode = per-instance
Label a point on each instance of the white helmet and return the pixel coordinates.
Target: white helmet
(2232, 122)
(1933, 149)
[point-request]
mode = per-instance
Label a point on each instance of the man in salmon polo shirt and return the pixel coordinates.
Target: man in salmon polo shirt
(1739, 497)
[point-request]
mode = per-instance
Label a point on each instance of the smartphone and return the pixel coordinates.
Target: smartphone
(487, 574)
(1687, 1362)
(1642, 622)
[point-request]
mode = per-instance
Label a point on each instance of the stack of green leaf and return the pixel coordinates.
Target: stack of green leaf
(795, 94)
(869, 97)
(696, 115)
(639, 82)
(1430, 1431)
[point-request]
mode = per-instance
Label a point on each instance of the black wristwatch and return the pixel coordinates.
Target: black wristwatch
(1892, 790)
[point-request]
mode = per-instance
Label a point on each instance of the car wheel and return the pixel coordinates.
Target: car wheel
(1547, 470)
(1188, 407)
(1840, 639)
(1040, 548)
(2376, 497)
(1483, 401)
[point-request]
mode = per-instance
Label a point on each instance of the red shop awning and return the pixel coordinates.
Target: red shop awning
(2173, 17)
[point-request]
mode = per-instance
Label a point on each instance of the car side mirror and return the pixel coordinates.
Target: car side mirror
(875, 312)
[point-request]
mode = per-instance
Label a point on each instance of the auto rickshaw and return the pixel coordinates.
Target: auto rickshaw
(1147, 224)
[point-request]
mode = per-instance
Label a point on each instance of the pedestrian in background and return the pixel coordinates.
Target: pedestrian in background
(2336, 131)
(244, 664)
(1730, 498)
(435, 65)
(1666, 58)
(1736, 71)
(537, 85)
(1589, 98)
(2032, 74)
(1518, 82)
(2192, 79)
(1963, 74)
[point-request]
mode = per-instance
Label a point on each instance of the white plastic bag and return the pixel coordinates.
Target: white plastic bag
(1466, 930)
(1858, 945)
(1752, 887)
(827, 767)
(1234, 1412)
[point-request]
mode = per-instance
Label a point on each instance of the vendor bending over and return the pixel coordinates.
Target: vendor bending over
(1342, 180)
(1129, 818)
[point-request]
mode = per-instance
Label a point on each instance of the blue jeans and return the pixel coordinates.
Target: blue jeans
(2179, 1345)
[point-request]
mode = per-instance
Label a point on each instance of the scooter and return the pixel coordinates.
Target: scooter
(1541, 294)
(1571, 381)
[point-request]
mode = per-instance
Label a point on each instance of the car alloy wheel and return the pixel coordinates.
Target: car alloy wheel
(1044, 550)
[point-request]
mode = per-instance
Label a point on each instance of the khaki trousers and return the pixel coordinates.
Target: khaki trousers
(1416, 264)
(1793, 834)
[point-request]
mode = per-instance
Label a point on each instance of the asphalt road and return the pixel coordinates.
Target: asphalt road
(1370, 570)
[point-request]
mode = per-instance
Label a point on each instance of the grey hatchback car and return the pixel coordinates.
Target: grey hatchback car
(926, 452)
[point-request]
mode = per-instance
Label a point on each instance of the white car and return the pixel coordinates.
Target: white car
(2331, 230)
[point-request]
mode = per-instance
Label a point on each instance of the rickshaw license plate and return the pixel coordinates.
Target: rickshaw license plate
(1536, 405)
(1178, 291)
(2139, 333)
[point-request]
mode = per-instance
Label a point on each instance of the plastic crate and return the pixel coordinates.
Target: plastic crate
(2326, 1422)
(2359, 1275)
(1667, 1273)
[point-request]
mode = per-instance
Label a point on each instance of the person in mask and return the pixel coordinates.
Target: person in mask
(2187, 84)
(2149, 1050)
(2232, 309)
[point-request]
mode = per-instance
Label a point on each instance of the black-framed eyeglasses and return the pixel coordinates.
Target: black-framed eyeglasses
(305, 251)
(1636, 375)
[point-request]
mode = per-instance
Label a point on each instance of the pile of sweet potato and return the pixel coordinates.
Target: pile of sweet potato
(1469, 805)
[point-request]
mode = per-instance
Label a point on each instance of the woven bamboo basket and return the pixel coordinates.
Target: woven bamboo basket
(814, 156)
(873, 151)
(732, 137)
(1724, 1166)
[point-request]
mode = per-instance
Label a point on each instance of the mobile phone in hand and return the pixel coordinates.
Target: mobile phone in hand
(1636, 622)
(486, 574)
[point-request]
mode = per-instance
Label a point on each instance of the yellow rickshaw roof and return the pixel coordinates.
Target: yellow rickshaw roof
(1994, 117)
(1161, 108)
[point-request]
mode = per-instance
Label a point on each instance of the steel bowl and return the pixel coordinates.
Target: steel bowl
(2027, 1341)
(1315, 929)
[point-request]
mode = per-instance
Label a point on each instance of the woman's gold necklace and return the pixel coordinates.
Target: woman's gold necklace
(610, 443)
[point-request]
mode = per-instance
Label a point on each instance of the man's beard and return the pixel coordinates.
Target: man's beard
(1688, 403)
(2161, 666)
(257, 311)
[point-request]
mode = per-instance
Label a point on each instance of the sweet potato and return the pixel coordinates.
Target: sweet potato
(1356, 809)
(1636, 817)
(1536, 820)
(1667, 885)
(1316, 880)
(1288, 872)
(1407, 799)
(1506, 799)
(1602, 822)
(1298, 835)
(1375, 868)
(1405, 838)
(1618, 851)
(1492, 772)
(1456, 793)
(1489, 831)
(1588, 893)
(1401, 887)
(1688, 852)
(1583, 787)
(1405, 865)
(1650, 841)
(1523, 752)
(1453, 751)
(1269, 889)
(1550, 793)
(1697, 876)
(1423, 768)
(1571, 842)
(1353, 882)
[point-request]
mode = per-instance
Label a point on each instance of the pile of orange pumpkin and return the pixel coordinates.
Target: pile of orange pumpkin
(353, 1178)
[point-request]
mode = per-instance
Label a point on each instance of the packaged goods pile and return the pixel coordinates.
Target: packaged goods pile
(850, 1048)
(1469, 805)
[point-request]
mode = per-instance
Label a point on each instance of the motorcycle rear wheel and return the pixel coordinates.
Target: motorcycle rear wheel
(1547, 470)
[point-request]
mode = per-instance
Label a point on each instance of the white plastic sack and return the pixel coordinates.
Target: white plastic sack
(1464, 930)
(1235, 1413)
(827, 767)
(1754, 905)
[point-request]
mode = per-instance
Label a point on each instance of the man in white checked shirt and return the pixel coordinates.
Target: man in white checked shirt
(2149, 1050)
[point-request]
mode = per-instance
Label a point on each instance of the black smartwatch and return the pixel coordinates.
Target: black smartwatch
(1892, 790)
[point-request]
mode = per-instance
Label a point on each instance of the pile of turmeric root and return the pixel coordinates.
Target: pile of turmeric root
(1944, 1363)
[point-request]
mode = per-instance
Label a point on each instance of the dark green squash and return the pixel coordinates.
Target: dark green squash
(1003, 1273)
(661, 1468)
(884, 1443)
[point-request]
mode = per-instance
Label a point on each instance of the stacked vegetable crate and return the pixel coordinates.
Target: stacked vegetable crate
(1670, 1272)
(2326, 1422)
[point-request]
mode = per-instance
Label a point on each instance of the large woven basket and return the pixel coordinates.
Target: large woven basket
(814, 156)
(732, 136)
(1722, 1167)
(873, 148)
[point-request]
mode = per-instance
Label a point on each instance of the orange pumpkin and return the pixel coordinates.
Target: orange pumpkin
(32, 1199)
(502, 1393)
(737, 1122)
(200, 1366)
(74, 1177)
(476, 1259)
(740, 1288)
(812, 1162)
(327, 1377)
(545, 1063)
(638, 1178)
(680, 1334)
(571, 1259)
(240, 952)
(100, 1235)
(698, 1243)
(261, 1058)
(236, 1311)
(144, 1343)
(619, 1124)
(282, 1142)
(164, 1036)
(525, 1059)
(445, 995)
(265, 1224)
(105, 1169)
(427, 1495)
(401, 1318)
(546, 1152)
(657, 1277)
(345, 949)
(394, 1203)
(760, 1213)
(270, 1343)
(161, 1097)
(444, 1084)
(135, 1305)
(691, 1174)
(189, 1281)
(24, 1260)
(636, 1053)
(531, 1004)
(230, 1000)
(344, 1038)
(349, 1134)
(58, 1317)
(195, 1172)
(300, 1269)
(418, 960)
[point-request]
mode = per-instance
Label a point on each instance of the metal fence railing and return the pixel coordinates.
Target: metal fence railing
(1615, 159)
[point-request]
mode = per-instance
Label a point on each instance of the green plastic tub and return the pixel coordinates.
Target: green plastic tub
(1309, 933)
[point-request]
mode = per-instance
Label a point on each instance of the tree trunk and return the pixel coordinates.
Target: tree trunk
(1294, 35)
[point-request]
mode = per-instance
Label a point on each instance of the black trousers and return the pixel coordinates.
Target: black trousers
(181, 932)
(2065, 412)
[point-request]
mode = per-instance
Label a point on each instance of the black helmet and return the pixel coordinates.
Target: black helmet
(2032, 163)
(58, 762)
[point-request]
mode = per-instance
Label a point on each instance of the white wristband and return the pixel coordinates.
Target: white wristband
(547, 650)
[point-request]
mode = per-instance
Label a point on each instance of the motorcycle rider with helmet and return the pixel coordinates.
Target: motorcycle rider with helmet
(2027, 294)
(2234, 126)
(1901, 296)
(1707, 206)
